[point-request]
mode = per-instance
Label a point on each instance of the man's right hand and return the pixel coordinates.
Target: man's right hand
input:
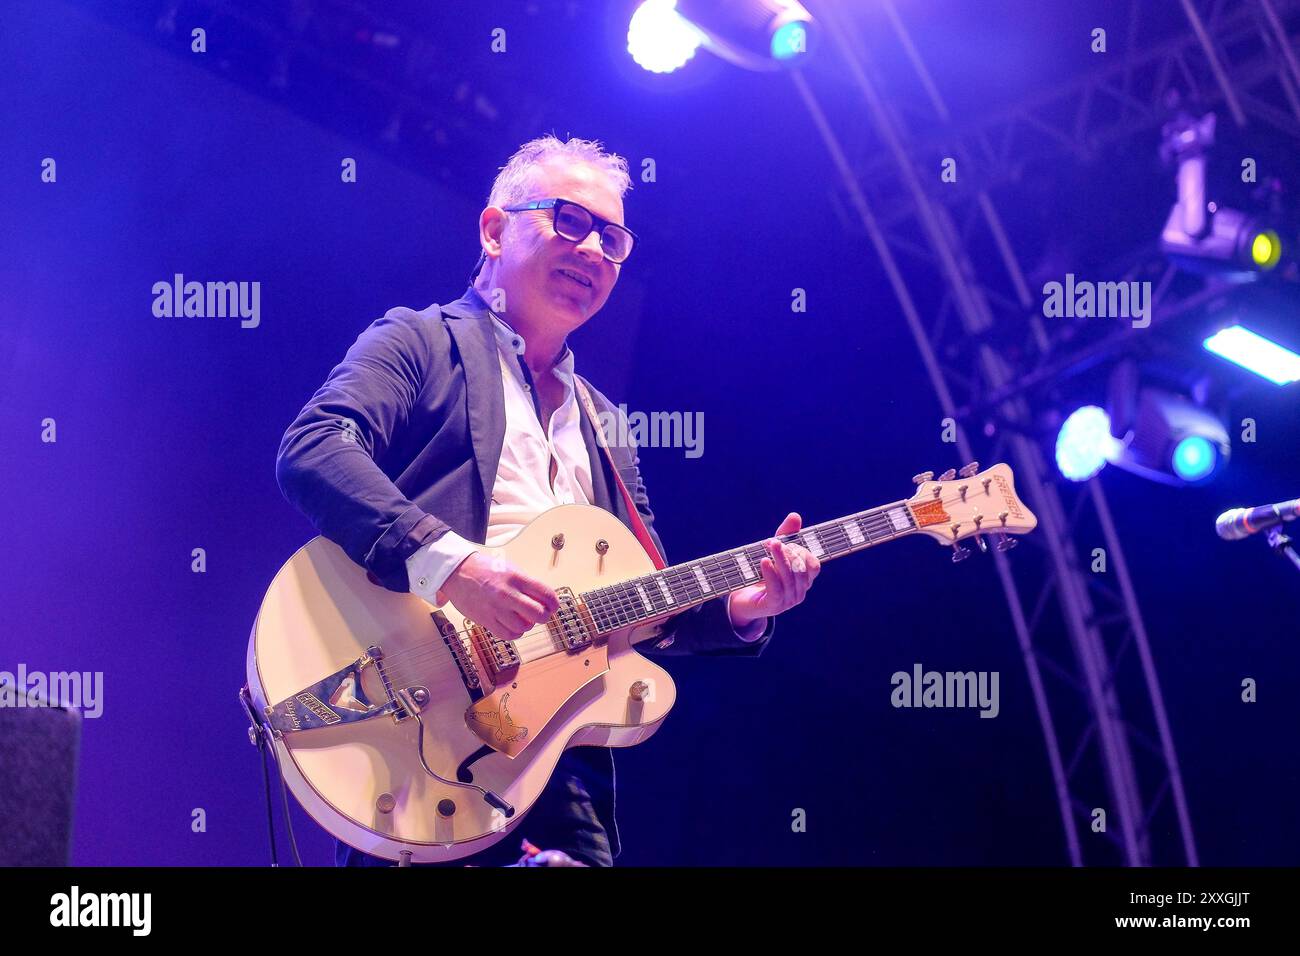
(496, 594)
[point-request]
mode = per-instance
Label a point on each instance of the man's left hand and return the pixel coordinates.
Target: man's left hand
(788, 571)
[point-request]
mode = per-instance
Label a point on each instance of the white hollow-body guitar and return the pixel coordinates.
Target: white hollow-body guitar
(413, 734)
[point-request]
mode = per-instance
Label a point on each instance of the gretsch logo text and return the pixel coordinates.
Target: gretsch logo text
(291, 712)
(1009, 499)
(313, 703)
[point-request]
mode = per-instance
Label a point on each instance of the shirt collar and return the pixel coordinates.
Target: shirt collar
(512, 343)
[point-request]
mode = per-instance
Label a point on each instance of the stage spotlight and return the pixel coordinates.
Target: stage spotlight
(754, 34)
(1232, 242)
(1084, 444)
(1199, 235)
(1266, 249)
(1148, 431)
(1255, 353)
(659, 38)
(1171, 439)
(1194, 458)
(790, 40)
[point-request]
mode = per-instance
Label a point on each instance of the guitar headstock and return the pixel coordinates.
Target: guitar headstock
(970, 504)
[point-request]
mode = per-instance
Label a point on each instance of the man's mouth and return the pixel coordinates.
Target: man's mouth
(577, 277)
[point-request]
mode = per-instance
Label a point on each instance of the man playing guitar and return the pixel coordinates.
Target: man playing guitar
(449, 429)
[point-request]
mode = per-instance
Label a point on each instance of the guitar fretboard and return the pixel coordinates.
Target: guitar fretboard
(684, 585)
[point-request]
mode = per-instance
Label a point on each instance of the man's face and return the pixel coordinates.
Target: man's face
(535, 264)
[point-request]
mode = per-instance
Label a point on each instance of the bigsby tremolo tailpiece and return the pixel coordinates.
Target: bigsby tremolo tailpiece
(341, 698)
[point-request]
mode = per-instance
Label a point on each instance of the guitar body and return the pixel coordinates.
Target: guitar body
(411, 733)
(359, 773)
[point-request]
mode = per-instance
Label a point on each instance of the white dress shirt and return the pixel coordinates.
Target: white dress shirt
(523, 488)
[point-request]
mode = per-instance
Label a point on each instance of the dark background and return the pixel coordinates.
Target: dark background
(170, 161)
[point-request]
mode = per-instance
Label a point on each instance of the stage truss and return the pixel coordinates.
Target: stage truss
(986, 348)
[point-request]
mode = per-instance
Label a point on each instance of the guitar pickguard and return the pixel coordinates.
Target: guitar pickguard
(512, 716)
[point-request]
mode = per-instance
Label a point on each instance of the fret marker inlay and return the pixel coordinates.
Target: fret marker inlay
(645, 599)
(668, 595)
(813, 544)
(705, 586)
(746, 569)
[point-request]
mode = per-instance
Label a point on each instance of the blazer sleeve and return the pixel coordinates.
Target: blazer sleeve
(327, 462)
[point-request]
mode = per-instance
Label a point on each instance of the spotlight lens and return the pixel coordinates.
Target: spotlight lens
(1266, 249)
(1084, 443)
(790, 41)
(1194, 458)
(659, 38)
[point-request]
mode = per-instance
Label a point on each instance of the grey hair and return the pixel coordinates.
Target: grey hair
(514, 181)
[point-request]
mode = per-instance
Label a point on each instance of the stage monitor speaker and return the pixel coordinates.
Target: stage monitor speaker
(38, 774)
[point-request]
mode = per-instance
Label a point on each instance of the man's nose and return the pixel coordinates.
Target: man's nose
(590, 248)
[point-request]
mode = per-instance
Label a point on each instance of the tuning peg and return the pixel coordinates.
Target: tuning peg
(1006, 542)
(948, 475)
(970, 470)
(959, 554)
(922, 477)
(979, 540)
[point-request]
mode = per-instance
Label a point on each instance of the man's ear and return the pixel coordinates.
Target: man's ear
(491, 227)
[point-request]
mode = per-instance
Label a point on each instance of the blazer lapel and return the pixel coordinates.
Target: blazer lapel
(470, 327)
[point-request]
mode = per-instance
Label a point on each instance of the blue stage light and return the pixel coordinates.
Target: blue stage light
(790, 41)
(659, 38)
(1084, 443)
(1257, 354)
(1195, 458)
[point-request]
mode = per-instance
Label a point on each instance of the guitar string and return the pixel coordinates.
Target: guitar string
(681, 578)
(528, 646)
(403, 673)
(452, 680)
(623, 610)
(874, 520)
(613, 612)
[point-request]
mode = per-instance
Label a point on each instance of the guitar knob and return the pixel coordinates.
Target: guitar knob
(922, 477)
(970, 470)
(959, 554)
(948, 475)
(1006, 542)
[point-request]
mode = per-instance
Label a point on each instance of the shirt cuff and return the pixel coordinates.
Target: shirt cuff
(430, 567)
(753, 631)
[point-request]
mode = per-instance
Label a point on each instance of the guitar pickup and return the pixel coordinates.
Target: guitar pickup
(570, 626)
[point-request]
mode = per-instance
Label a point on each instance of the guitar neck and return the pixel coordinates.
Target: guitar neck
(683, 586)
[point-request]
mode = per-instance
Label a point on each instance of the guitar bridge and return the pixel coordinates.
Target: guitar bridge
(462, 652)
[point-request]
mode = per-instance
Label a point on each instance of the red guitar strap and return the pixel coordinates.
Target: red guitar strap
(638, 526)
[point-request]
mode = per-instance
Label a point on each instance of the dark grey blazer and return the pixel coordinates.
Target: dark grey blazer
(422, 392)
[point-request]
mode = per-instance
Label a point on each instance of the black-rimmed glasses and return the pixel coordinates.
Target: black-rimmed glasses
(575, 223)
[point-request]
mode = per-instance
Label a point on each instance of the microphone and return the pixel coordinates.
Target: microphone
(1243, 522)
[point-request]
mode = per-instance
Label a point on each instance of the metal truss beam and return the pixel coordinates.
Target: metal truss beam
(1245, 59)
(1082, 636)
